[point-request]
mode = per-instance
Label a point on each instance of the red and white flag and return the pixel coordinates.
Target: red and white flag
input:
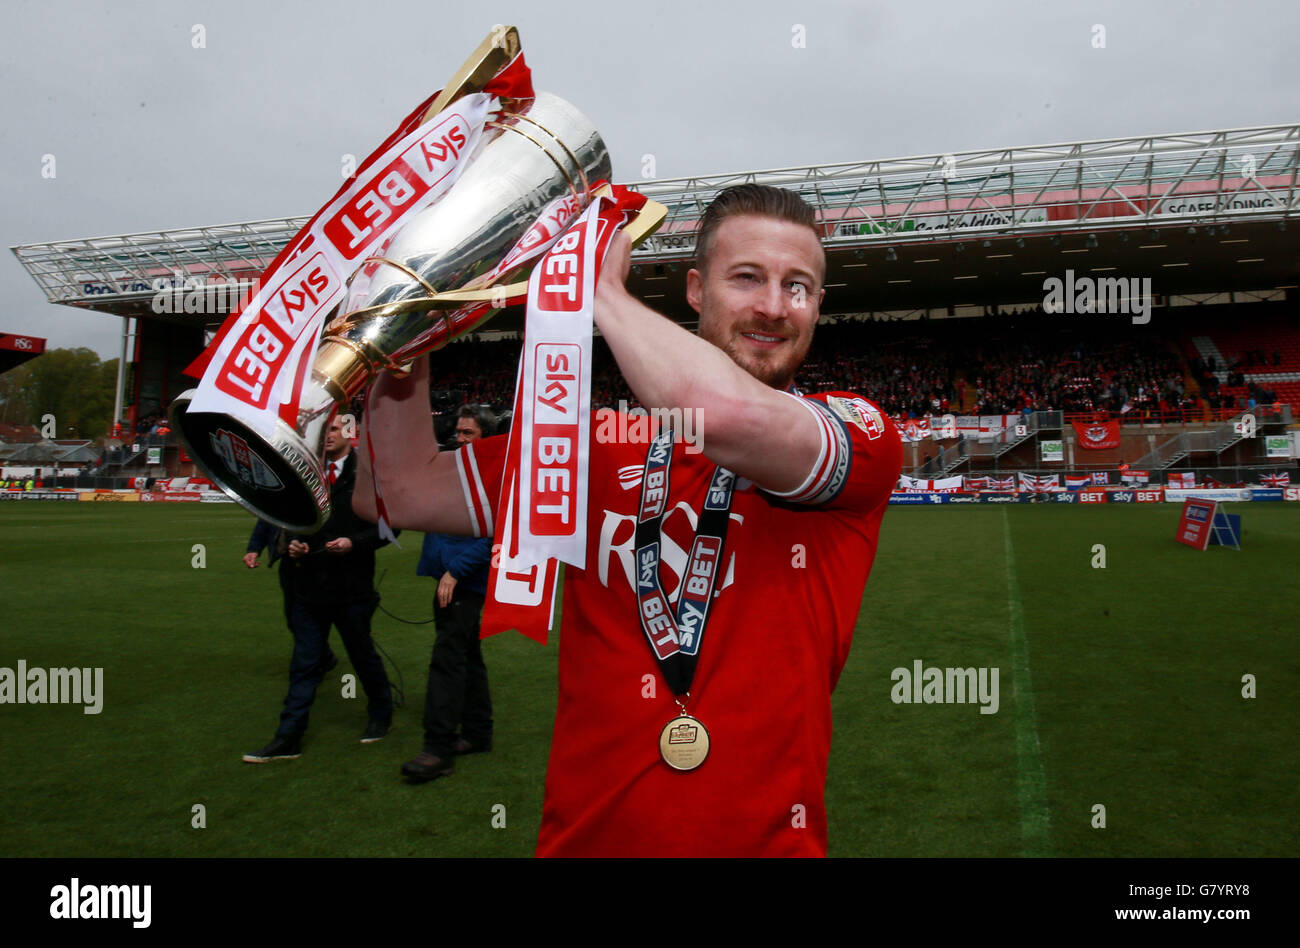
(1181, 479)
(977, 483)
(942, 485)
(914, 429)
(1136, 477)
(1039, 483)
(1097, 436)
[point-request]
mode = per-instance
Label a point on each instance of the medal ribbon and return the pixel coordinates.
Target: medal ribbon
(675, 637)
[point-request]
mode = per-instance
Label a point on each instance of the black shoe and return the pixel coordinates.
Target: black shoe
(280, 748)
(376, 731)
(425, 766)
(463, 746)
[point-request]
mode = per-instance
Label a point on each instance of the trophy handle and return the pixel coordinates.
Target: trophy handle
(647, 219)
(353, 355)
(493, 54)
(645, 223)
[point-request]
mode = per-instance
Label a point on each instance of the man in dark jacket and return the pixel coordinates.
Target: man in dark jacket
(331, 582)
(457, 698)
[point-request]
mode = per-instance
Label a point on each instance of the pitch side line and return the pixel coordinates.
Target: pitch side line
(1031, 784)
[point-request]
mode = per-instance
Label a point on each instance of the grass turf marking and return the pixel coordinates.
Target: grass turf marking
(1031, 784)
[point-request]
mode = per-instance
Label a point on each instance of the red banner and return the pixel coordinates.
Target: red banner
(1095, 437)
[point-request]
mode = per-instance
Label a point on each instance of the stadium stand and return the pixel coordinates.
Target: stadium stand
(937, 275)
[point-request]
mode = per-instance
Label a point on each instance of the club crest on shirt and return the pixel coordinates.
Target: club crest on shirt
(860, 412)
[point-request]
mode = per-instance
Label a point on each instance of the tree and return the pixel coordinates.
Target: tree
(73, 385)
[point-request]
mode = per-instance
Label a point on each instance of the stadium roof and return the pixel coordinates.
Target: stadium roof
(1202, 212)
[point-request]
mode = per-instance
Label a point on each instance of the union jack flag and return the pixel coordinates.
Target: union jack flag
(1002, 483)
(1276, 480)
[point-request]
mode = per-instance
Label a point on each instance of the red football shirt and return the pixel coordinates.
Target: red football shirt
(786, 601)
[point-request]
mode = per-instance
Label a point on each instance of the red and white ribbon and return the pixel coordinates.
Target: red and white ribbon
(256, 368)
(542, 510)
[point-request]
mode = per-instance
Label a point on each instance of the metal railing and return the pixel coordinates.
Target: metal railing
(989, 448)
(1213, 176)
(1217, 439)
(136, 266)
(1190, 416)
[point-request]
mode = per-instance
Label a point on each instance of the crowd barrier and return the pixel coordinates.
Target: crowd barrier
(1108, 495)
(92, 495)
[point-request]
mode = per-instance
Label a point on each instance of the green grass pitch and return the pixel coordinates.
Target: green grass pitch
(1119, 687)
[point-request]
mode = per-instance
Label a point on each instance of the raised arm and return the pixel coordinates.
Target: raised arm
(749, 427)
(420, 485)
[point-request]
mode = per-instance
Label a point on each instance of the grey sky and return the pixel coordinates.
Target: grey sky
(150, 133)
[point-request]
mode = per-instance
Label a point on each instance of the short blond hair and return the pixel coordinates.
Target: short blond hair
(760, 200)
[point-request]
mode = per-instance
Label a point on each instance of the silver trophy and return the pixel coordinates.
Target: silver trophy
(440, 276)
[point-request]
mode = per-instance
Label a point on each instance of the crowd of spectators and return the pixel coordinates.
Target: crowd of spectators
(1010, 363)
(1204, 371)
(1001, 364)
(1083, 376)
(908, 374)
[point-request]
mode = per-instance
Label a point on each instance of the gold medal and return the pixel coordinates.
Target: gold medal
(684, 743)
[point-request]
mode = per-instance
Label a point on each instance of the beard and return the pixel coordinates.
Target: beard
(775, 369)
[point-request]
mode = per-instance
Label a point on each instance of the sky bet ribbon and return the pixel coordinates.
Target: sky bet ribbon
(675, 638)
(256, 367)
(542, 510)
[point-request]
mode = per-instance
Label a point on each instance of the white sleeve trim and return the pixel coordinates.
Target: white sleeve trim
(812, 484)
(471, 485)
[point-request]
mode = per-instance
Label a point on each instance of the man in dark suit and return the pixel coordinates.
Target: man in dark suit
(333, 572)
(267, 536)
(457, 698)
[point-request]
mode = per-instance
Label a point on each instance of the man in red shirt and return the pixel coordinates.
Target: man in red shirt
(717, 744)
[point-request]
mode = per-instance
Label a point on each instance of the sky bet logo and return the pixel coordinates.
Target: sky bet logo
(407, 178)
(560, 289)
(555, 439)
(267, 341)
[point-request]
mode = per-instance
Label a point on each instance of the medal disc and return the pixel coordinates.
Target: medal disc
(684, 743)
